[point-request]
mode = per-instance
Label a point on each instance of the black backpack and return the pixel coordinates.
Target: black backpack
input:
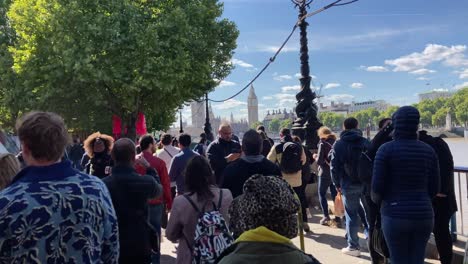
(352, 165)
(291, 158)
(365, 167)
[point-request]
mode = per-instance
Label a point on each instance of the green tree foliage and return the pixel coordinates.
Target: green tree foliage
(439, 117)
(388, 113)
(287, 123)
(332, 120)
(366, 116)
(274, 125)
(256, 124)
(89, 60)
(10, 99)
(462, 113)
(459, 104)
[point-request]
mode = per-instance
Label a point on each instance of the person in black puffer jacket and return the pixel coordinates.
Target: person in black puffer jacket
(253, 162)
(405, 179)
(445, 203)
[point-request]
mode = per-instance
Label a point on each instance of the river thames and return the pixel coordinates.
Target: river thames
(459, 148)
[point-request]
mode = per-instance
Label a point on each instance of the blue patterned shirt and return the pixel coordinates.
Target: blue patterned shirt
(56, 214)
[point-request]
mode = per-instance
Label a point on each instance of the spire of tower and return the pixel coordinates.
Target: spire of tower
(252, 94)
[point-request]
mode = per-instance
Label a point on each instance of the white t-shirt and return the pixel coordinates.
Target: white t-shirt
(166, 154)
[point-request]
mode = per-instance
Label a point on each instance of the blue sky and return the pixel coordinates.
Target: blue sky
(371, 49)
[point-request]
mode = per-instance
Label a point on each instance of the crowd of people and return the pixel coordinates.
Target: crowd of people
(226, 201)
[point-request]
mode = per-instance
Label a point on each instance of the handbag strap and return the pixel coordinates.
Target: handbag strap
(168, 153)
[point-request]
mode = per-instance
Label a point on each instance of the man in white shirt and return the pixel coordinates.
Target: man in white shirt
(166, 154)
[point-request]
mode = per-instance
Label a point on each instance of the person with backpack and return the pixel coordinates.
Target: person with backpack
(264, 219)
(345, 156)
(251, 163)
(306, 175)
(327, 139)
(187, 223)
(445, 203)
(291, 158)
(291, 163)
(405, 179)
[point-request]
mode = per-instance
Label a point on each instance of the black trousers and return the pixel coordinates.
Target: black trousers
(373, 218)
(443, 239)
(300, 191)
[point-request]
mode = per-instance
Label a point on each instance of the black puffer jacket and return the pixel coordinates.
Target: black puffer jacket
(446, 167)
(406, 172)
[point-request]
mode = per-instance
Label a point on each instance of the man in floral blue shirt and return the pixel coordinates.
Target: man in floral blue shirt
(52, 213)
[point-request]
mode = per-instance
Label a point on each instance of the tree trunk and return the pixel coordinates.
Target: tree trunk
(131, 134)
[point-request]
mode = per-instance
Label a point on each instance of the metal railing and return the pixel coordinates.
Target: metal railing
(461, 193)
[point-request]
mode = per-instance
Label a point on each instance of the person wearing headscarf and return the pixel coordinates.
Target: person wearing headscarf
(98, 147)
(264, 219)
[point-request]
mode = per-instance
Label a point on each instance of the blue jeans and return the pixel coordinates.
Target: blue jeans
(325, 182)
(154, 217)
(351, 201)
(407, 238)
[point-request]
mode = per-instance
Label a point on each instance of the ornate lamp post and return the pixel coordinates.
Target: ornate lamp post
(207, 128)
(180, 119)
(306, 124)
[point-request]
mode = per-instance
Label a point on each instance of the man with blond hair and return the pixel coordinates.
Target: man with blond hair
(51, 213)
(222, 151)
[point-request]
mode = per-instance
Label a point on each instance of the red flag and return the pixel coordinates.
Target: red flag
(141, 125)
(116, 125)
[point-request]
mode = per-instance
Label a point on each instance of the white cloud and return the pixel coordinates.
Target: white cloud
(422, 71)
(267, 98)
(464, 74)
(462, 85)
(291, 88)
(423, 78)
(281, 78)
(273, 49)
(357, 85)
(241, 63)
(226, 84)
(451, 56)
(332, 85)
(229, 104)
(376, 69)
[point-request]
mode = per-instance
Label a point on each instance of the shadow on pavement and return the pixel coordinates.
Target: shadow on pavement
(166, 259)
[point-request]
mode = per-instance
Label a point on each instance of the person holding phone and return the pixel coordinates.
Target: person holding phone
(223, 151)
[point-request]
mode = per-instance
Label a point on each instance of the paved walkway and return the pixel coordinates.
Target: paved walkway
(324, 243)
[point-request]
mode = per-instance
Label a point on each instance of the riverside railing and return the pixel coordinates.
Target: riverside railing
(461, 192)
